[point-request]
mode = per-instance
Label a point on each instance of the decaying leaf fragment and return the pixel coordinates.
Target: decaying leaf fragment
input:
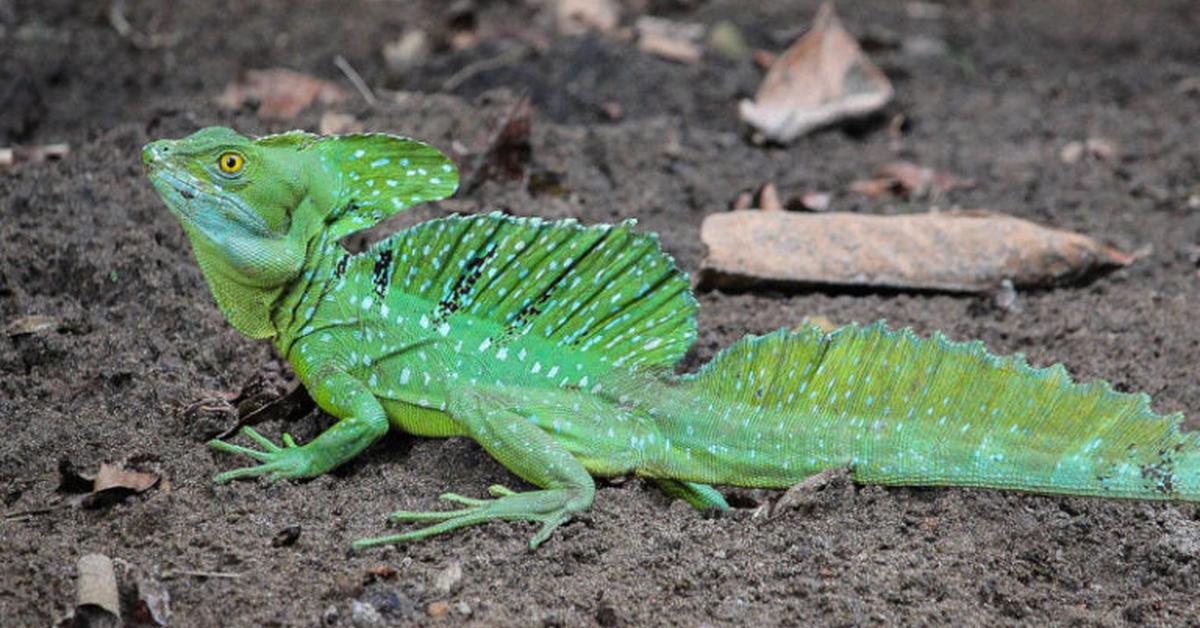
(960, 251)
(906, 179)
(281, 93)
(823, 78)
(112, 483)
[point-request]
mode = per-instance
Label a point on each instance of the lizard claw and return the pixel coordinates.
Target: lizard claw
(289, 461)
(552, 507)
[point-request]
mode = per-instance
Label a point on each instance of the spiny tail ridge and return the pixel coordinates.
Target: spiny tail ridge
(899, 409)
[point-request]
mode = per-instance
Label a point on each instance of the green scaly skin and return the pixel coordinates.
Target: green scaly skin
(553, 345)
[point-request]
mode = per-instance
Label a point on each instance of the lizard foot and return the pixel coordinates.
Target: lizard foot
(552, 507)
(289, 461)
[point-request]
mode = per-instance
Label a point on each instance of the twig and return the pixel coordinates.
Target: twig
(145, 41)
(31, 513)
(511, 55)
(356, 80)
(292, 406)
(200, 574)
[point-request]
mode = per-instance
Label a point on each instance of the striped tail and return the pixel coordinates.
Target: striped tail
(898, 409)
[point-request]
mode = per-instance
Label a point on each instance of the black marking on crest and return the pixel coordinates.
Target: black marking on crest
(530, 311)
(333, 216)
(381, 274)
(459, 294)
(1161, 473)
(340, 269)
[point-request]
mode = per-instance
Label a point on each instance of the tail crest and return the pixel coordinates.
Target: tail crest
(900, 409)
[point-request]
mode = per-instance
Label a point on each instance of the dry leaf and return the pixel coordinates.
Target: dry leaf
(676, 41)
(408, 52)
(972, 251)
(576, 17)
(111, 484)
(909, 180)
(281, 93)
(153, 601)
(333, 123)
(764, 59)
(114, 477)
(822, 79)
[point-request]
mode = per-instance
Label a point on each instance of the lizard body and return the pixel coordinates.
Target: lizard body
(553, 345)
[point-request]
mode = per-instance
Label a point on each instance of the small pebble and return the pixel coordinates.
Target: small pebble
(438, 609)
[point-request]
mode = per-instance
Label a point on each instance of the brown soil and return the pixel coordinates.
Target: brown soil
(86, 241)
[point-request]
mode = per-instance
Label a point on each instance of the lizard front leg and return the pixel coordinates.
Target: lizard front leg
(524, 449)
(362, 422)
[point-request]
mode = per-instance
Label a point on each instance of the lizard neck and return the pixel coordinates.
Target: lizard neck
(296, 303)
(246, 306)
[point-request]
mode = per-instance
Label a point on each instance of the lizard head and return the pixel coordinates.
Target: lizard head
(251, 207)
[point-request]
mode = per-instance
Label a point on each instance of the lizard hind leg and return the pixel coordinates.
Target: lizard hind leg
(526, 450)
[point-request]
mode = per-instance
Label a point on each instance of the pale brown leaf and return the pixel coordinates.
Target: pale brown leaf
(281, 93)
(906, 179)
(334, 123)
(114, 477)
(822, 79)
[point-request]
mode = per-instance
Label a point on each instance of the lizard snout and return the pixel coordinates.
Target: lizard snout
(155, 152)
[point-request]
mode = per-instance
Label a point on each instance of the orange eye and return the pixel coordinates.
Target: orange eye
(231, 162)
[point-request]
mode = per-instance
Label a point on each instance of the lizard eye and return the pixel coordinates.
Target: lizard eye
(231, 162)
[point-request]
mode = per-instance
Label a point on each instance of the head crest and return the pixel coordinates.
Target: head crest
(376, 175)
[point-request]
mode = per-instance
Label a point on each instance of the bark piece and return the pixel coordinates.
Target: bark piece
(676, 41)
(97, 600)
(33, 324)
(961, 251)
(823, 78)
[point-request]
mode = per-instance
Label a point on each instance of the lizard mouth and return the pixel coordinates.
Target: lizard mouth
(201, 204)
(177, 193)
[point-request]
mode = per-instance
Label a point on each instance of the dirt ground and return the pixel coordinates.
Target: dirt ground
(139, 340)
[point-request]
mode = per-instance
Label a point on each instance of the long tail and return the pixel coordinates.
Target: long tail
(898, 409)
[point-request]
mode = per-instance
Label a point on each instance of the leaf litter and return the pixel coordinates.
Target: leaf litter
(279, 93)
